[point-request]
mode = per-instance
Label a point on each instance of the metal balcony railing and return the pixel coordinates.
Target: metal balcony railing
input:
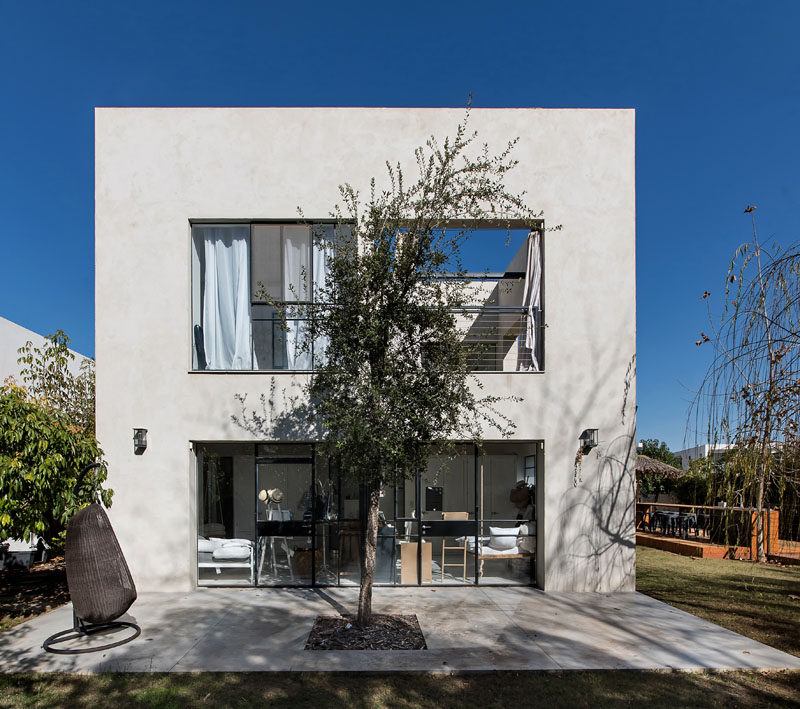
(494, 338)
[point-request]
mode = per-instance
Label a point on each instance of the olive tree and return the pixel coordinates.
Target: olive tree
(395, 381)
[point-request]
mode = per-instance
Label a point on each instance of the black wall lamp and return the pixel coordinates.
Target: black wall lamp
(139, 440)
(588, 439)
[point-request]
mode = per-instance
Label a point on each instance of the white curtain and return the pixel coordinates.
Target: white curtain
(226, 297)
(296, 242)
(528, 361)
(323, 250)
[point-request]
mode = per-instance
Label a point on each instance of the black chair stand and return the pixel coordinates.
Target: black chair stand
(82, 630)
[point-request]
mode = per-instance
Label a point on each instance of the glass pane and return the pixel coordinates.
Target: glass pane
(296, 262)
(500, 475)
(269, 338)
(327, 526)
(348, 546)
(225, 530)
(327, 553)
(453, 559)
(507, 544)
(297, 344)
(448, 505)
(448, 485)
(266, 263)
(285, 450)
(198, 274)
(406, 554)
(285, 509)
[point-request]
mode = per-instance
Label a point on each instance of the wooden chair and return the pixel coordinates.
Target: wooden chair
(455, 516)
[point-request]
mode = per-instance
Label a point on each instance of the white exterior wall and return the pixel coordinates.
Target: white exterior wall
(702, 451)
(158, 168)
(12, 337)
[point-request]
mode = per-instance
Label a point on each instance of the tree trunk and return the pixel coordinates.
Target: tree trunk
(760, 551)
(368, 560)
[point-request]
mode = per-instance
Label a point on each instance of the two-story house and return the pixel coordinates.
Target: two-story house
(197, 231)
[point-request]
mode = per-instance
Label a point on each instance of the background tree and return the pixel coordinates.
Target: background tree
(750, 396)
(47, 376)
(46, 439)
(659, 450)
(649, 484)
(395, 382)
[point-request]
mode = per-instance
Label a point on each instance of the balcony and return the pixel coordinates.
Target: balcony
(493, 332)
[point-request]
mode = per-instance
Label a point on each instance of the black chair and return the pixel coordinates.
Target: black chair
(100, 584)
(669, 521)
(686, 521)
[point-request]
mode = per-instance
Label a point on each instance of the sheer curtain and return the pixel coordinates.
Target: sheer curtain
(323, 250)
(226, 297)
(528, 360)
(296, 243)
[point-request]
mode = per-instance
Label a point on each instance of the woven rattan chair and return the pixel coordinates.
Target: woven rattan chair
(100, 584)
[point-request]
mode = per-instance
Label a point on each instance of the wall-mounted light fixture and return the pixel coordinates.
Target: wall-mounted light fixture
(139, 440)
(588, 439)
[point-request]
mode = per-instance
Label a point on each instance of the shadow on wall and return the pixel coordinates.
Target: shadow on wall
(292, 422)
(598, 505)
(589, 528)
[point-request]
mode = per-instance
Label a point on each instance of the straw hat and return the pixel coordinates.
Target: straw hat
(274, 494)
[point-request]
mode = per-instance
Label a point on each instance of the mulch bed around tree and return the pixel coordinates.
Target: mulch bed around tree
(386, 632)
(27, 593)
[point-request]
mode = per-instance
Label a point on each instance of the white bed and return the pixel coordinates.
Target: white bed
(503, 543)
(218, 554)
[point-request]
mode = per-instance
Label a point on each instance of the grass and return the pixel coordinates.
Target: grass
(748, 598)
(354, 691)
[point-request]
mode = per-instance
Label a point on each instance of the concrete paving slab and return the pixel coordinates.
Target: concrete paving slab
(466, 629)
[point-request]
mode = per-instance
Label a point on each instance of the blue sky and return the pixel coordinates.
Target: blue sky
(715, 86)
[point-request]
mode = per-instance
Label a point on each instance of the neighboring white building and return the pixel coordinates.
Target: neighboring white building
(716, 451)
(12, 337)
(195, 205)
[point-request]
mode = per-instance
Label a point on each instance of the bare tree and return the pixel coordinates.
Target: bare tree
(750, 396)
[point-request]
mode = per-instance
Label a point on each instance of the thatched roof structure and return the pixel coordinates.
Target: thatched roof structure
(650, 466)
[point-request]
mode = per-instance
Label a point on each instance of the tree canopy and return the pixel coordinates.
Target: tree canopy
(46, 439)
(395, 379)
(649, 484)
(654, 448)
(751, 393)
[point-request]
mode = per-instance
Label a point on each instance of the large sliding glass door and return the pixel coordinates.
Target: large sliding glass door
(280, 515)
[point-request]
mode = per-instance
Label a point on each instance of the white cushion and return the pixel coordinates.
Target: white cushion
(488, 551)
(503, 537)
(220, 542)
(205, 544)
(527, 543)
(232, 552)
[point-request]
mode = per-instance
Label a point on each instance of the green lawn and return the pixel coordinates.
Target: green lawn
(748, 598)
(485, 691)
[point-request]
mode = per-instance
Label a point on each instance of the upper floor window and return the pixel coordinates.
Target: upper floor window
(244, 274)
(240, 273)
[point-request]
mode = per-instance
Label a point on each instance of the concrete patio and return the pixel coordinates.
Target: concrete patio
(466, 629)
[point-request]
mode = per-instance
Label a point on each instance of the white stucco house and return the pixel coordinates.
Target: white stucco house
(195, 206)
(716, 451)
(14, 336)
